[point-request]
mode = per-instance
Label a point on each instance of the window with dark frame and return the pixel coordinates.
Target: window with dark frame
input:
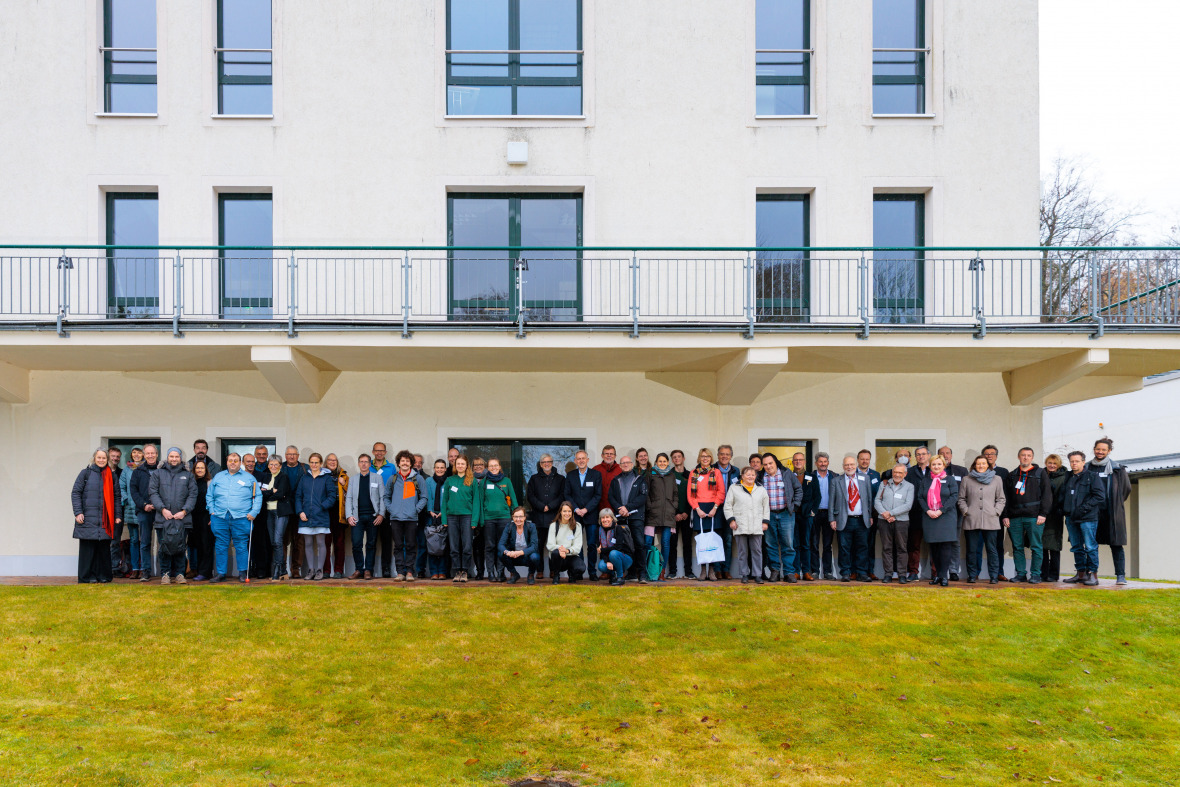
(783, 278)
(519, 458)
(246, 275)
(883, 458)
(129, 56)
(783, 57)
(245, 58)
(133, 275)
(899, 276)
(514, 57)
(899, 57)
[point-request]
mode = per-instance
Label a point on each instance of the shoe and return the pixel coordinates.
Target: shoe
(275, 574)
(465, 577)
(865, 579)
(164, 579)
(993, 580)
(944, 582)
(642, 579)
(1091, 579)
(356, 575)
(556, 579)
(1076, 578)
(243, 577)
(532, 580)
(319, 574)
(933, 580)
(759, 580)
(901, 579)
(616, 582)
(887, 579)
(458, 577)
(200, 578)
(807, 577)
(746, 580)
(912, 577)
(954, 576)
(512, 579)
(1002, 578)
(216, 578)
(135, 575)
(1120, 580)
(409, 576)
(145, 577)
(1034, 580)
(421, 575)
(792, 578)
(180, 580)
(971, 580)
(704, 575)
(775, 576)
(872, 577)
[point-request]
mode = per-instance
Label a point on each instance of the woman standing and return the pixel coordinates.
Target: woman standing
(460, 515)
(938, 495)
(706, 493)
(201, 536)
(1051, 541)
(317, 497)
(435, 530)
(497, 498)
(981, 503)
(662, 507)
(615, 549)
(337, 521)
(564, 545)
(98, 510)
(129, 516)
(748, 507)
(277, 503)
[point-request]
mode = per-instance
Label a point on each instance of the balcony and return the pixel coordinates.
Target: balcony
(746, 290)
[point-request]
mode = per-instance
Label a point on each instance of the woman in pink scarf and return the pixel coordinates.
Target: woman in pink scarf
(939, 495)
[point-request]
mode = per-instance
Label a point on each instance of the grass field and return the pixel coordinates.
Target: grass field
(277, 685)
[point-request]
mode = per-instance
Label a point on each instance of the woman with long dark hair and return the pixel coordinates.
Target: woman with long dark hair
(460, 514)
(201, 536)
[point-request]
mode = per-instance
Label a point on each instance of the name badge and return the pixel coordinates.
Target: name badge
(678, 482)
(807, 478)
(491, 486)
(376, 485)
(241, 483)
(1103, 474)
(1073, 491)
(958, 478)
(860, 478)
(454, 489)
(942, 481)
(590, 484)
(1019, 485)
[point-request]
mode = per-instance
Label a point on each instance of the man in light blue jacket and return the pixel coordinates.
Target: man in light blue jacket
(233, 499)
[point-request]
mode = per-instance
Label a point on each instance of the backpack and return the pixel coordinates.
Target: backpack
(655, 562)
(172, 538)
(436, 540)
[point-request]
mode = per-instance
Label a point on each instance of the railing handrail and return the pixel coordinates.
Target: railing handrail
(733, 249)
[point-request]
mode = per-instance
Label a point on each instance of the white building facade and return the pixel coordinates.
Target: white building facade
(524, 223)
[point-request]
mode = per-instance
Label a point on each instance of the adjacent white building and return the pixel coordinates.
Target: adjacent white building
(653, 151)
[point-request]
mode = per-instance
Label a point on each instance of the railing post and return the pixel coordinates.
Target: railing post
(976, 268)
(862, 296)
(291, 294)
(749, 271)
(406, 294)
(1095, 314)
(64, 265)
(521, 267)
(176, 295)
(634, 295)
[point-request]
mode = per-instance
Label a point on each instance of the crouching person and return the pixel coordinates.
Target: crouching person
(616, 549)
(564, 545)
(518, 547)
(173, 492)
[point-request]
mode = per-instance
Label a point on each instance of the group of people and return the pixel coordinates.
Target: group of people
(626, 519)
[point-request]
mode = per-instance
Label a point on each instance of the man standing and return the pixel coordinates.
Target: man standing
(1083, 500)
(863, 459)
(261, 457)
(609, 470)
(1112, 517)
(851, 500)
(583, 488)
(452, 455)
(729, 477)
(817, 493)
(545, 491)
(363, 504)
(628, 500)
(991, 453)
(802, 568)
(295, 471)
(916, 475)
(403, 500)
(145, 512)
(959, 472)
(1029, 501)
(894, 502)
(785, 495)
(234, 500)
(173, 492)
(119, 566)
(682, 540)
(384, 466)
(201, 454)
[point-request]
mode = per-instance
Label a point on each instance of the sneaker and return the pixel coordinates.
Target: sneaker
(409, 576)
(1120, 580)
(164, 579)
(213, 580)
(200, 578)
(180, 580)
(145, 577)
(1034, 580)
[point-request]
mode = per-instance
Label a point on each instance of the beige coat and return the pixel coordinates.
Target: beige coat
(981, 505)
(749, 510)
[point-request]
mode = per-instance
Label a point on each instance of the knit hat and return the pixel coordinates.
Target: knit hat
(177, 450)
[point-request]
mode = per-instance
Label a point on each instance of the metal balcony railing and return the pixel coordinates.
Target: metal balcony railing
(744, 289)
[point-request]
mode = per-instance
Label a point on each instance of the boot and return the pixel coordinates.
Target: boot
(712, 575)
(1076, 578)
(1091, 579)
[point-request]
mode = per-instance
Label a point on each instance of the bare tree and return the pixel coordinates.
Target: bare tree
(1073, 214)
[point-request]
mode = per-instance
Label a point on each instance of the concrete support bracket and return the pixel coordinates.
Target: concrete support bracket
(293, 376)
(1030, 384)
(741, 380)
(14, 384)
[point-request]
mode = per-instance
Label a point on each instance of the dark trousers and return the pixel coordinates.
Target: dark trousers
(589, 525)
(639, 567)
(802, 544)
(914, 547)
(940, 559)
(1051, 565)
(854, 548)
(172, 565)
(872, 548)
(492, 530)
(146, 531)
(334, 551)
(529, 560)
(405, 551)
(977, 541)
(200, 538)
(478, 558)
(261, 563)
(94, 560)
(385, 538)
(362, 558)
(895, 554)
(684, 539)
(459, 537)
(420, 534)
(821, 533)
(1119, 556)
(542, 521)
(571, 563)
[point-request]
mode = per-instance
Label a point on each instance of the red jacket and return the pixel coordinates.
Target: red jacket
(608, 475)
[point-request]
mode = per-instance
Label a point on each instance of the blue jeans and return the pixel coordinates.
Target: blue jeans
(854, 548)
(590, 536)
(620, 562)
(780, 539)
(145, 545)
(225, 530)
(420, 559)
(665, 536)
(1083, 542)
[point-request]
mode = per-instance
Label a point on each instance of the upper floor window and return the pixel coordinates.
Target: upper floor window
(245, 57)
(783, 65)
(129, 56)
(133, 275)
(782, 278)
(246, 275)
(899, 57)
(899, 277)
(514, 57)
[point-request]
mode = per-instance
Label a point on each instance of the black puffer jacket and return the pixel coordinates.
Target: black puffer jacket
(174, 489)
(545, 489)
(87, 501)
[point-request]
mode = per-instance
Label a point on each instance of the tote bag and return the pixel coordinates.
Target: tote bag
(710, 547)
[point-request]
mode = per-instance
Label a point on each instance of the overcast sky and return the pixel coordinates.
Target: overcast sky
(1110, 90)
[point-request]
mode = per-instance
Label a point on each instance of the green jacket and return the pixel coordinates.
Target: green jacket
(458, 499)
(496, 500)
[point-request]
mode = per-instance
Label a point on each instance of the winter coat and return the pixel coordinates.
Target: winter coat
(279, 493)
(981, 505)
(1112, 523)
(1035, 496)
(702, 494)
(316, 499)
(636, 501)
(508, 539)
(396, 505)
(607, 474)
(946, 527)
(1083, 496)
(140, 483)
(545, 489)
(749, 510)
(130, 518)
(1051, 538)
(175, 489)
(233, 495)
(87, 501)
(662, 504)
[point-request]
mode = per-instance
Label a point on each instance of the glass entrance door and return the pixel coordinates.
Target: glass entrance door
(245, 445)
(519, 458)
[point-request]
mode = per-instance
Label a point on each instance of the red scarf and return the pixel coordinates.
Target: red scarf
(108, 501)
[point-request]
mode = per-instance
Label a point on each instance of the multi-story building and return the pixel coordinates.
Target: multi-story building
(712, 187)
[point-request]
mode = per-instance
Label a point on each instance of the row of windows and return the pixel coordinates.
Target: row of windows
(482, 284)
(518, 57)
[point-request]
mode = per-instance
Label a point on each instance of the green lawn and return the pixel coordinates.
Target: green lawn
(260, 685)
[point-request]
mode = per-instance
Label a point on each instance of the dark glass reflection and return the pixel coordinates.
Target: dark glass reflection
(480, 280)
(245, 78)
(130, 76)
(899, 78)
(897, 275)
(247, 277)
(783, 78)
(781, 277)
(551, 281)
(133, 275)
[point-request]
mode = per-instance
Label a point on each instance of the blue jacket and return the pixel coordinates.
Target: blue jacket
(233, 495)
(317, 497)
(130, 517)
(397, 506)
(508, 538)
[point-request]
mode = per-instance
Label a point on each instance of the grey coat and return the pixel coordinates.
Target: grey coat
(946, 527)
(981, 505)
(173, 488)
(895, 499)
(87, 501)
(838, 499)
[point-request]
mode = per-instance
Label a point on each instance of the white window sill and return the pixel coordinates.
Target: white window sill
(919, 117)
(508, 118)
(786, 117)
(242, 117)
(126, 115)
